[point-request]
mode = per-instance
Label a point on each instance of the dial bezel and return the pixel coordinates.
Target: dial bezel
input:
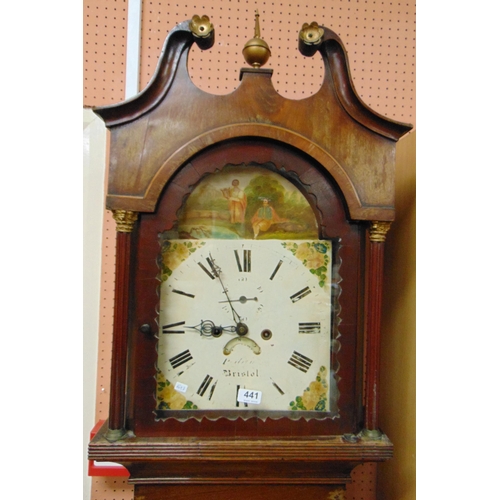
(265, 362)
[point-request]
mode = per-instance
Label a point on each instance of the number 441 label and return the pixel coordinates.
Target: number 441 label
(249, 396)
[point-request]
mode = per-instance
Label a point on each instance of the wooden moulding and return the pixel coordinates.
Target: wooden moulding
(171, 120)
(323, 460)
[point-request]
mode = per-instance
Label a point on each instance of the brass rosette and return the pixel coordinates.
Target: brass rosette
(201, 27)
(311, 34)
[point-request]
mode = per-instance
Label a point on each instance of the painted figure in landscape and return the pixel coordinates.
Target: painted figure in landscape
(259, 203)
(237, 201)
(264, 218)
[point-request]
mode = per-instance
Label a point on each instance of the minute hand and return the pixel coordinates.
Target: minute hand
(241, 328)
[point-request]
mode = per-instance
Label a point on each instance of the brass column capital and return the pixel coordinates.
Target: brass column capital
(378, 230)
(125, 220)
(338, 493)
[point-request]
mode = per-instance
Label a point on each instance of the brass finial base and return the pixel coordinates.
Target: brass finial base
(373, 434)
(113, 435)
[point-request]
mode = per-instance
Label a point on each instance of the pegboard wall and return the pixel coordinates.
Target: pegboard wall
(379, 36)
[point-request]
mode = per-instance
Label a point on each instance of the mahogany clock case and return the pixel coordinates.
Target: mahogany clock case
(340, 156)
(328, 205)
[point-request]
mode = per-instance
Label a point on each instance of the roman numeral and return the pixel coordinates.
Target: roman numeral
(237, 402)
(207, 271)
(204, 386)
(300, 294)
(278, 388)
(180, 292)
(299, 361)
(212, 390)
(212, 265)
(276, 269)
(310, 327)
(181, 358)
(168, 328)
(247, 261)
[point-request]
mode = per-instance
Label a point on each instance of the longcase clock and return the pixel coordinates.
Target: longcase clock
(250, 239)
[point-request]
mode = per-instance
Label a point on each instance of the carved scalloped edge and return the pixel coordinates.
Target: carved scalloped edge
(199, 415)
(337, 309)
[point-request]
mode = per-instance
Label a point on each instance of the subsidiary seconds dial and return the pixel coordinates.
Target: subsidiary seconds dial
(245, 325)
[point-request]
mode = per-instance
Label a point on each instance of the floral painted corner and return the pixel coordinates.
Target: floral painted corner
(313, 255)
(174, 253)
(167, 398)
(314, 397)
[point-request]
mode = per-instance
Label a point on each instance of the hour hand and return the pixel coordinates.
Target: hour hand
(208, 328)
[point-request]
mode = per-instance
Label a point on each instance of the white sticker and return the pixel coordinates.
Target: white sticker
(249, 396)
(179, 387)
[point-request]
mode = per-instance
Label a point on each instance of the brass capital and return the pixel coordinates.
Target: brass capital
(337, 493)
(378, 230)
(125, 220)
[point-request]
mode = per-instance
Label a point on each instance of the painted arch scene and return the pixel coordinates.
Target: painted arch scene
(247, 202)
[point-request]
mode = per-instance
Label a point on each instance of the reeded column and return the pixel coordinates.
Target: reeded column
(377, 231)
(125, 221)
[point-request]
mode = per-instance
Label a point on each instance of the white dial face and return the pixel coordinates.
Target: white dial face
(245, 325)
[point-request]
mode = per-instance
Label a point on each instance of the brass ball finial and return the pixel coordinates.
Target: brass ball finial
(256, 51)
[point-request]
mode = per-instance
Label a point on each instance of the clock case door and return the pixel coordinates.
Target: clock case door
(328, 205)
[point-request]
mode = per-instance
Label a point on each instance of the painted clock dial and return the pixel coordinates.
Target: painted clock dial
(245, 315)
